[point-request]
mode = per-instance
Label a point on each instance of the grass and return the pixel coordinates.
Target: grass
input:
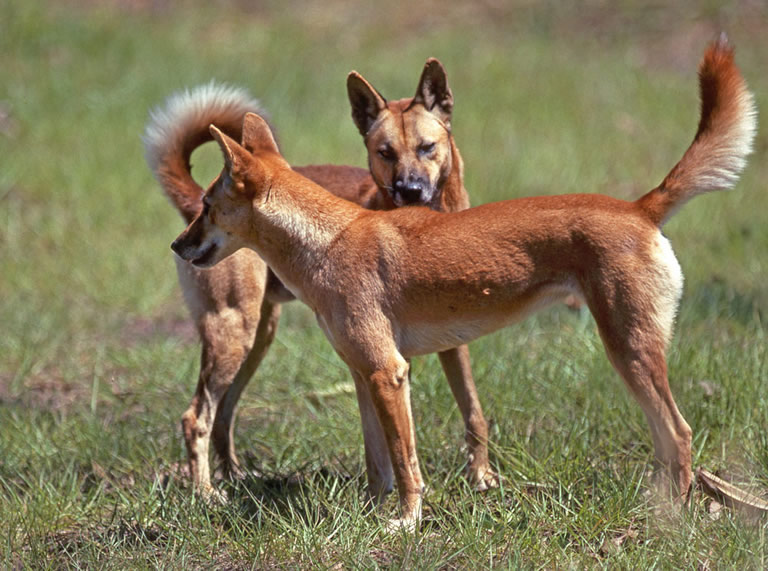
(98, 359)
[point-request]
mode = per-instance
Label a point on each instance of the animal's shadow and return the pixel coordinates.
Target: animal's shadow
(306, 493)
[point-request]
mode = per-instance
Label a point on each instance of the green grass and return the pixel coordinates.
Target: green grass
(98, 359)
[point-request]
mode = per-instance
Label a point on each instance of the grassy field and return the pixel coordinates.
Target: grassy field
(98, 359)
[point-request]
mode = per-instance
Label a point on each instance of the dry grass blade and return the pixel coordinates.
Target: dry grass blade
(729, 495)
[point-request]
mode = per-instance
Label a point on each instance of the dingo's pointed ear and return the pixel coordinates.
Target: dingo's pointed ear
(433, 91)
(366, 102)
(257, 135)
(235, 156)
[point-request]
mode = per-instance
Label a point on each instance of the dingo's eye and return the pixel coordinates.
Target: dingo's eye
(426, 148)
(207, 210)
(387, 153)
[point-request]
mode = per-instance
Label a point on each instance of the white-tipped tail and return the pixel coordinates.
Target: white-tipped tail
(180, 125)
(723, 140)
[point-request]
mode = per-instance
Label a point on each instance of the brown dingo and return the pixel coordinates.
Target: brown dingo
(389, 285)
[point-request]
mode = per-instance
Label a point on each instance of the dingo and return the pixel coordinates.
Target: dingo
(236, 305)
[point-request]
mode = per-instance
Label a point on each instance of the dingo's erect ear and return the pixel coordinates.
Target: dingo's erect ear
(433, 91)
(257, 136)
(366, 102)
(236, 158)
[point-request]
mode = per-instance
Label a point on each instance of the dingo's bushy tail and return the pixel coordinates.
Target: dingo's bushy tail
(724, 138)
(180, 125)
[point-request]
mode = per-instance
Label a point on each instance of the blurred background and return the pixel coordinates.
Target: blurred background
(550, 97)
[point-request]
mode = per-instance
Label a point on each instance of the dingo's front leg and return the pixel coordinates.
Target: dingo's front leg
(378, 465)
(390, 395)
(457, 370)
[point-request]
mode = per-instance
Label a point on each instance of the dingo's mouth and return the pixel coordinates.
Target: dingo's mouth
(201, 258)
(204, 259)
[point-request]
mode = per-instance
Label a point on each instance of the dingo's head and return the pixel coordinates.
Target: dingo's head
(227, 218)
(408, 141)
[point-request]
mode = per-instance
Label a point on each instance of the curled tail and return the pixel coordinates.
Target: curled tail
(179, 126)
(718, 153)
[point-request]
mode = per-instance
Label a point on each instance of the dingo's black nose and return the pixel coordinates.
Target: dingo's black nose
(411, 190)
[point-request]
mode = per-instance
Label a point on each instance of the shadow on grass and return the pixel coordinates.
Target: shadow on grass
(300, 494)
